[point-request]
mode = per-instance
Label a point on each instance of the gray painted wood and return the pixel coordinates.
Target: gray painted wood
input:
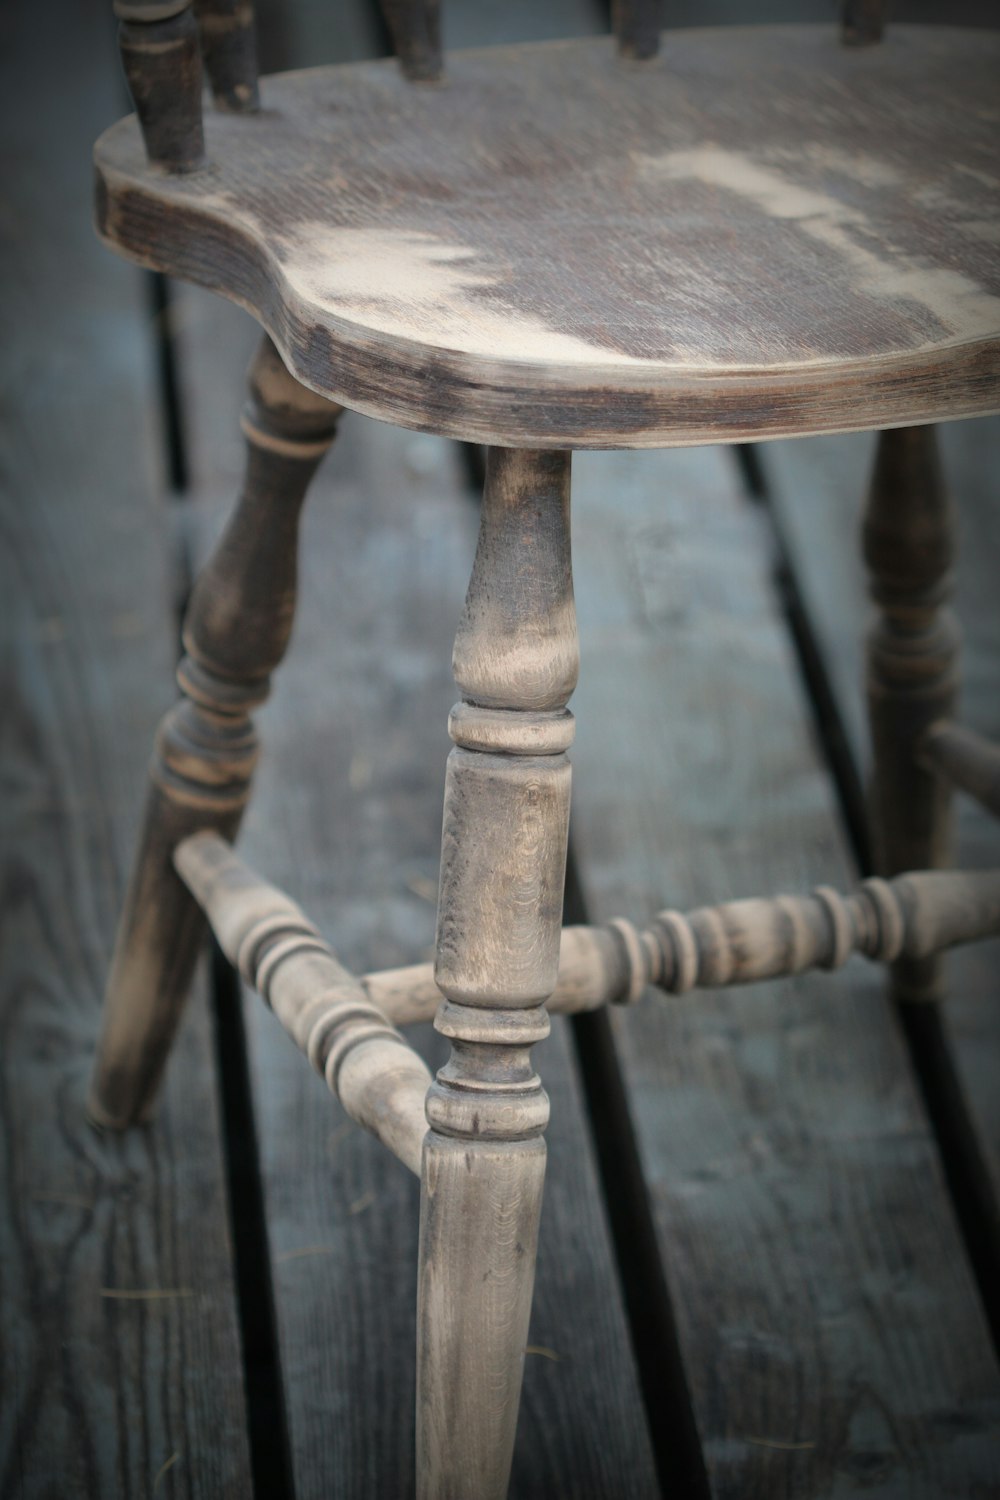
(829, 1323)
(818, 489)
(346, 817)
(119, 1357)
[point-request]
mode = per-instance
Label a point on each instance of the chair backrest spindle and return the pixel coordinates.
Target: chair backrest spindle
(162, 51)
(162, 61)
(229, 51)
(637, 27)
(862, 22)
(415, 28)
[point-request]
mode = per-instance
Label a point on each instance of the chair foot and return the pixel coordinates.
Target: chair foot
(480, 1205)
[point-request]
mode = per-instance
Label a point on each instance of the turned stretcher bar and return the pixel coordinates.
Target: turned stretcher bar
(739, 942)
(343, 1024)
(376, 1075)
(967, 759)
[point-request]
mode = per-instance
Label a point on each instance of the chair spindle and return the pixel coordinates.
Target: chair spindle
(912, 664)
(862, 22)
(229, 49)
(415, 28)
(162, 60)
(236, 628)
(637, 27)
(967, 760)
(503, 864)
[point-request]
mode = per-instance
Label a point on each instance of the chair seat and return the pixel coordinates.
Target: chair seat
(760, 233)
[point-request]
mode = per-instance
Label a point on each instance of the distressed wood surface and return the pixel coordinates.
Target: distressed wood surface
(379, 1080)
(496, 957)
(346, 817)
(762, 232)
(817, 491)
(912, 665)
(120, 1366)
(236, 629)
(161, 57)
(968, 760)
(829, 1325)
(740, 942)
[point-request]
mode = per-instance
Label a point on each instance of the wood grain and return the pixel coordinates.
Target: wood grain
(496, 955)
(764, 232)
(415, 27)
(346, 816)
(119, 1352)
(830, 1328)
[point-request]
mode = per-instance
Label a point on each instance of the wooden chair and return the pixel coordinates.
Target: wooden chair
(731, 235)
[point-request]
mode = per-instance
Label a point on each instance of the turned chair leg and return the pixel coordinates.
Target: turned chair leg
(913, 652)
(235, 633)
(506, 819)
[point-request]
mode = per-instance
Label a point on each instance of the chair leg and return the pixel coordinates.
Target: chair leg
(235, 632)
(913, 652)
(506, 819)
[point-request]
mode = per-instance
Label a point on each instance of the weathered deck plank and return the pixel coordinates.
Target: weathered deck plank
(830, 1327)
(119, 1359)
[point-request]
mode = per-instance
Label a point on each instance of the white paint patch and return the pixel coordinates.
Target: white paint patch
(956, 302)
(868, 170)
(414, 286)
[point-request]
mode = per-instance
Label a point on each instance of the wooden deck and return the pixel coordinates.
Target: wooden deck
(770, 1255)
